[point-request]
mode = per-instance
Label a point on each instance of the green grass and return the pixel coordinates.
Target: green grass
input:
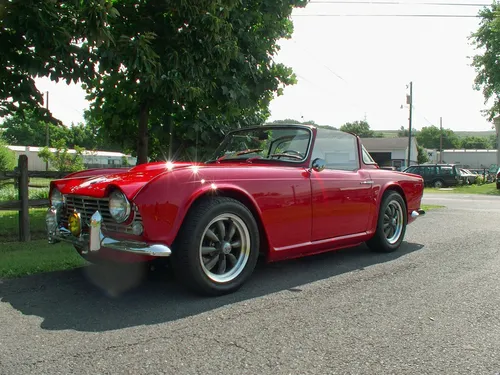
(9, 224)
(487, 189)
(9, 193)
(27, 258)
(427, 207)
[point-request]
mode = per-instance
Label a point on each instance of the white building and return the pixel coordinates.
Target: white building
(474, 159)
(391, 152)
(91, 159)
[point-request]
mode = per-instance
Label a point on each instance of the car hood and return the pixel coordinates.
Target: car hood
(129, 181)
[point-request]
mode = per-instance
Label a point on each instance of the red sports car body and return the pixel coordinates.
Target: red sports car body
(282, 191)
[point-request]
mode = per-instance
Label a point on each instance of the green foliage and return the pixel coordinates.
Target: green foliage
(429, 137)
(402, 132)
(7, 158)
(182, 74)
(487, 41)
(360, 128)
(472, 142)
(61, 159)
(9, 193)
(47, 38)
(25, 129)
(422, 156)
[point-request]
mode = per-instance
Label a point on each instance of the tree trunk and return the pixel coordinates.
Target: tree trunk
(143, 136)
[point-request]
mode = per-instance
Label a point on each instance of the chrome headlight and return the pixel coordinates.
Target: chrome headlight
(119, 206)
(56, 198)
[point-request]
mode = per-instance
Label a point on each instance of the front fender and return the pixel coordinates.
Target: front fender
(165, 202)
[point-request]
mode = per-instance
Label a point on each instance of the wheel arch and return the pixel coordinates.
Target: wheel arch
(239, 195)
(396, 188)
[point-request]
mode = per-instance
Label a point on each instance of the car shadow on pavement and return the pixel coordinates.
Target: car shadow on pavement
(100, 299)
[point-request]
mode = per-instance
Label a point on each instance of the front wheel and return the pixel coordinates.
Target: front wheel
(438, 184)
(391, 224)
(217, 247)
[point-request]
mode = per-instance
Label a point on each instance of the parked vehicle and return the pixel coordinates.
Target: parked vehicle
(284, 191)
(498, 178)
(437, 175)
(467, 176)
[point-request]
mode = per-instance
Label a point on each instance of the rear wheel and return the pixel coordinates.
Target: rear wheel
(391, 225)
(217, 247)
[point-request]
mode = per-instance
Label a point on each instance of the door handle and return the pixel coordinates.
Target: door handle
(367, 182)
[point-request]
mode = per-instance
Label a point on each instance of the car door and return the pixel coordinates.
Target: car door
(342, 193)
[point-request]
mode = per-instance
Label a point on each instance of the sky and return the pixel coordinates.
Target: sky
(352, 68)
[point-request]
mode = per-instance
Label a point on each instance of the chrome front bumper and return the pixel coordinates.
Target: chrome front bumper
(95, 239)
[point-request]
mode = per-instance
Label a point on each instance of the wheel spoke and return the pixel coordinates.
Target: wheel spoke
(211, 235)
(222, 229)
(212, 262)
(232, 259)
(386, 217)
(205, 250)
(387, 231)
(222, 264)
(236, 244)
(232, 231)
(386, 225)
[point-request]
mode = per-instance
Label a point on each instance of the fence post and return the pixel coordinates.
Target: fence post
(24, 215)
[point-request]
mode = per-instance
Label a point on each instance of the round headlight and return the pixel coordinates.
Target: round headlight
(119, 206)
(56, 198)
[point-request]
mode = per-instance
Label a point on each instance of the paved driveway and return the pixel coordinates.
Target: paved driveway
(431, 308)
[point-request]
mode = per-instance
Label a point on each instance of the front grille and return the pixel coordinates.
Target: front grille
(87, 206)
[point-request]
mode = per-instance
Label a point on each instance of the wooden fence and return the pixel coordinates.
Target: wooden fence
(21, 177)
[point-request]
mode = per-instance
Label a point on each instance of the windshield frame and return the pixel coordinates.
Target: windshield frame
(307, 128)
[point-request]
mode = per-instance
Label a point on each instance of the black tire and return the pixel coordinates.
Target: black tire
(380, 241)
(438, 184)
(195, 238)
(498, 185)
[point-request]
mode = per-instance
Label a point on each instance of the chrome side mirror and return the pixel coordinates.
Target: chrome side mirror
(318, 165)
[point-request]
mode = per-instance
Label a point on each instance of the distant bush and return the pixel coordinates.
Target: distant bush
(7, 158)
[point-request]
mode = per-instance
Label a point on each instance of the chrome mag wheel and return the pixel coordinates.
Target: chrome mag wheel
(393, 222)
(224, 248)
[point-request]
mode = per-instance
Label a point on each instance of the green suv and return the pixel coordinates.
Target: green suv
(437, 175)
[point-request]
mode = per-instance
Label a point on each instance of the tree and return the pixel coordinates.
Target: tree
(25, 129)
(402, 132)
(360, 128)
(487, 41)
(422, 156)
(429, 137)
(47, 38)
(61, 159)
(473, 142)
(187, 72)
(7, 158)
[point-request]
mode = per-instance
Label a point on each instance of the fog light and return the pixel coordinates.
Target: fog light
(137, 228)
(75, 224)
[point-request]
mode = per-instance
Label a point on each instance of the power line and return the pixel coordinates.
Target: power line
(397, 3)
(390, 15)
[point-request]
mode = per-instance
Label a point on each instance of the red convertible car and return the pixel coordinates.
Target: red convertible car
(282, 191)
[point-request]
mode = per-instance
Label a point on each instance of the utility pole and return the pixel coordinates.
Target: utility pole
(409, 100)
(47, 130)
(440, 140)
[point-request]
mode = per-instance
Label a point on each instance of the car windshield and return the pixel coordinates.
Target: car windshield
(290, 144)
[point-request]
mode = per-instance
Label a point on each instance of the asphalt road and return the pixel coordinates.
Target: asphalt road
(431, 308)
